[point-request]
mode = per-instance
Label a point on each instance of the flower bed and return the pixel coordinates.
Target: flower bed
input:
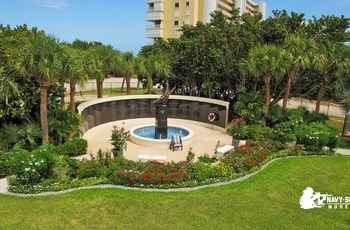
(120, 171)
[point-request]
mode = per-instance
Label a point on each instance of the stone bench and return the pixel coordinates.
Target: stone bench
(224, 149)
(151, 157)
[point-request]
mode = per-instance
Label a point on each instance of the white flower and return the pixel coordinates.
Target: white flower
(22, 162)
(37, 163)
(32, 155)
(27, 169)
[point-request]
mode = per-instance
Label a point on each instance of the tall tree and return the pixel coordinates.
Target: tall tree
(302, 51)
(106, 62)
(269, 61)
(152, 66)
(336, 61)
(127, 67)
(41, 60)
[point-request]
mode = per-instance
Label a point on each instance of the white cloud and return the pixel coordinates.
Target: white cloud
(55, 4)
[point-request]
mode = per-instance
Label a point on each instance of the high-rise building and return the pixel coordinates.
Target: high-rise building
(168, 16)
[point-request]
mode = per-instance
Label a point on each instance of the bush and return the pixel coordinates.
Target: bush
(5, 163)
(316, 136)
(203, 172)
(252, 155)
(65, 166)
(207, 159)
(235, 162)
(77, 146)
(89, 168)
(223, 170)
(33, 167)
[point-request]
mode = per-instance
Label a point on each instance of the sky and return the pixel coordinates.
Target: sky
(122, 23)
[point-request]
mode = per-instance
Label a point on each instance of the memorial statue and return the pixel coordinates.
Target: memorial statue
(161, 122)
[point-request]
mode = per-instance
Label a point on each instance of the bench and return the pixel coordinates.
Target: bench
(151, 157)
(224, 149)
(176, 142)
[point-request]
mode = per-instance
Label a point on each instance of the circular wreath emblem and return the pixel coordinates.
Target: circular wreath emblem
(211, 117)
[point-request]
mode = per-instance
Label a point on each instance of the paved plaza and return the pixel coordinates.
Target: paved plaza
(204, 141)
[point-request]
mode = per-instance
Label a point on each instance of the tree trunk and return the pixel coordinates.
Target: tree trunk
(43, 112)
(71, 95)
(128, 89)
(267, 79)
(149, 85)
(99, 88)
(63, 102)
(121, 88)
(327, 78)
(291, 72)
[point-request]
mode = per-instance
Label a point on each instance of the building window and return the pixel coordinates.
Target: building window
(176, 32)
(177, 4)
(187, 22)
(187, 12)
(187, 3)
(176, 23)
(176, 14)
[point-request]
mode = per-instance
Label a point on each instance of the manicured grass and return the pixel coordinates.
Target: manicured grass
(268, 200)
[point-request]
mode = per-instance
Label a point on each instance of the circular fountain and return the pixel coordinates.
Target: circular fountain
(144, 135)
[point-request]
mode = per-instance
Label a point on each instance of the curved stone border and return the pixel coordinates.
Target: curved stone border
(153, 189)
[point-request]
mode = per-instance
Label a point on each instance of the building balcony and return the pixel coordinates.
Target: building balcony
(155, 9)
(154, 32)
(154, 1)
(153, 16)
(224, 6)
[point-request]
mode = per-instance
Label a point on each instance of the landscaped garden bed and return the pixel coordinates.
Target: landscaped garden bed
(51, 168)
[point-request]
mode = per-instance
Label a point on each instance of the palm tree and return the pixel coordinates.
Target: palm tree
(8, 87)
(41, 60)
(127, 67)
(152, 66)
(106, 62)
(70, 72)
(251, 106)
(334, 64)
(75, 69)
(301, 51)
(267, 60)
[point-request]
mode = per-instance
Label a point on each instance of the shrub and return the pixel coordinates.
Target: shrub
(252, 155)
(65, 166)
(5, 163)
(235, 162)
(132, 178)
(223, 170)
(203, 172)
(89, 168)
(77, 146)
(207, 159)
(33, 167)
(317, 135)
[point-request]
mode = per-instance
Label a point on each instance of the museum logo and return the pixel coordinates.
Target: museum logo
(311, 199)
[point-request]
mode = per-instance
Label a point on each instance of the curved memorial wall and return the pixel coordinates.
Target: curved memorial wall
(103, 110)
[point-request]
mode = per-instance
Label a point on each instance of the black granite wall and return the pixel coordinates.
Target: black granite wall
(109, 111)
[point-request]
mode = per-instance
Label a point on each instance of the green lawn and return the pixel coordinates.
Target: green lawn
(268, 200)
